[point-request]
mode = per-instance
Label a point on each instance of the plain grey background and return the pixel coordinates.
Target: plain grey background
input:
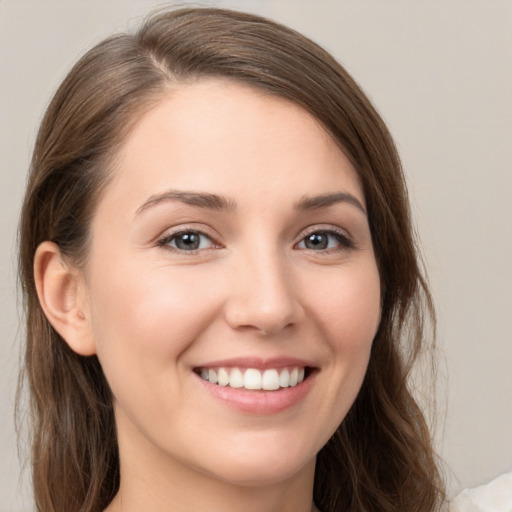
(440, 73)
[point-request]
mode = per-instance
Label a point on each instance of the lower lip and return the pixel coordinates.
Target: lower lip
(259, 402)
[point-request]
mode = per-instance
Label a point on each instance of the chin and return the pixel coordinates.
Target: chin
(261, 466)
(261, 475)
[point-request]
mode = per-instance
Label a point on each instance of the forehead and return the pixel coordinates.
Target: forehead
(218, 135)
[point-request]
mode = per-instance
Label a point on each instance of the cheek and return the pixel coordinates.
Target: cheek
(348, 304)
(141, 316)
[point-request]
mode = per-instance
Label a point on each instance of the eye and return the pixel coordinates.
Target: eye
(188, 241)
(325, 240)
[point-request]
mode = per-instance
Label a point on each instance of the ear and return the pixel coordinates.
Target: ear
(62, 295)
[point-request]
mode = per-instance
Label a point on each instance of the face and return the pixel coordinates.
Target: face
(232, 288)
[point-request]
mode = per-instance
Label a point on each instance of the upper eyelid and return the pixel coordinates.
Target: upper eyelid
(170, 236)
(187, 228)
(325, 228)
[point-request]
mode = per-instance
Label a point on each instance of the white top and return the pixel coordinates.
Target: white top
(496, 496)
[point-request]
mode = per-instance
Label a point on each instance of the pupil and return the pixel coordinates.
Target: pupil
(187, 241)
(317, 241)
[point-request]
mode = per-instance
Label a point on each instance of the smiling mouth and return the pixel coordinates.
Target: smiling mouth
(271, 379)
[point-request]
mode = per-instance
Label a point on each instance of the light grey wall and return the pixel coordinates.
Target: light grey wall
(440, 72)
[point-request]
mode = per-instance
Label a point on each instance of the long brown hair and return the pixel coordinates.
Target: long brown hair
(381, 458)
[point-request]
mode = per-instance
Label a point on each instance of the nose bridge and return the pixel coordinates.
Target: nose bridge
(263, 296)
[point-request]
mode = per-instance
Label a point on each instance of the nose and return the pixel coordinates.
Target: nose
(263, 296)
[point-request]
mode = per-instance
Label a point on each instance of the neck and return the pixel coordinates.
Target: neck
(261, 500)
(203, 494)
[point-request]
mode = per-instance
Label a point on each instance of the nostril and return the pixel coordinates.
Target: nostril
(264, 320)
(264, 301)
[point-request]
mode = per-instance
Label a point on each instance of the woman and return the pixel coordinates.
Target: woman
(221, 285)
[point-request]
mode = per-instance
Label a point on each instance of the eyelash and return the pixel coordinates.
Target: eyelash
(345, 242)
(169, 237)
(341, 237)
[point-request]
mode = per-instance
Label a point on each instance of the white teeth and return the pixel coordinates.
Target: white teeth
(270, 380)
(284, 378)
(212, 376)
(223, 377)
(236, 379)
(254, 379)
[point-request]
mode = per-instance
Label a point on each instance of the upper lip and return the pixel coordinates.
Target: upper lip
(257, 362)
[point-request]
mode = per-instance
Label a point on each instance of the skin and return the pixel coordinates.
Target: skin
(152, 312)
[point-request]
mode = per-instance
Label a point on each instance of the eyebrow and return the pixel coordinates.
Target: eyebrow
(216, 202)
(199, 199)
(329, 199)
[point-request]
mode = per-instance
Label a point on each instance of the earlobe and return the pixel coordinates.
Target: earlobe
(61, 295)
